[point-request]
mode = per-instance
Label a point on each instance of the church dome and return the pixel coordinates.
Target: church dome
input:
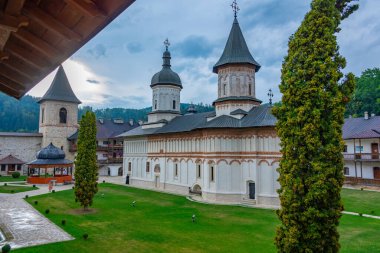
(166, 75)
(51, 152)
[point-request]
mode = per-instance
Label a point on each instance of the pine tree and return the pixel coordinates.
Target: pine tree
(86, 169)
(310, 120)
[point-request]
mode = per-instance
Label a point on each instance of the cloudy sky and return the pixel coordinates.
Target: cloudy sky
(114, 69)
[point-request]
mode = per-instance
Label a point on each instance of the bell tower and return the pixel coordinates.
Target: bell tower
(59, 113)
(236, 71)
(166, 86)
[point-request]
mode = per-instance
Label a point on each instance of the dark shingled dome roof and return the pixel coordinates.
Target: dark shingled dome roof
(51, 152)
(166, 75)
(236, 50)
(60, 89)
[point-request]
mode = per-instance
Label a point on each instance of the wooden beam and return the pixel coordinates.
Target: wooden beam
(26, 56)
(49, 22)
(14, 76)
(35, 42)
(87, 8)
(24, 69)
(10, 84)
(4, 56)
(11, 92)
(14, 7)
(12, 23)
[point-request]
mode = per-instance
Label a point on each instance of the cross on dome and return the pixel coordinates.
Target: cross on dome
(235, 8)
(167, 44)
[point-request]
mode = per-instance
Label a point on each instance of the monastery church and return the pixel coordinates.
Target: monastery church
(229, 155)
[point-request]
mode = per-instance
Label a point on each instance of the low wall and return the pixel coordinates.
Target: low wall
(46, 180)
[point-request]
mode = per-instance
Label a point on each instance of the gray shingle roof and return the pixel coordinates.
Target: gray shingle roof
(234, 98)
(10, 159)
(166, 75)
(360, 128)
(60, 89)
(257, 117)
(108, 129)
(239, 111)
(236, 50)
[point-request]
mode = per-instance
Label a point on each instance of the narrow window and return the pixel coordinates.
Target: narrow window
(249, 89)
(129, 166)
(147, 167)
(176, 170)
(62, 115)
(212, 173)
(346, 171)
(155, 104)
(42, 115)
(198, 171)
(225, 89)
(174, 104)
(345, 148)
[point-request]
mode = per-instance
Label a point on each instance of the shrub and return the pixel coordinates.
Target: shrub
(73, 187)
(5, 184)
(12, 191)
(104, 181)
(53, 191)
(47, 211)
(361, 189)
(26, 196)
(85, 236)
(35, 202)
(63, 222)
(34, 186)
(6, 248)
(360, 214)
(16, 174)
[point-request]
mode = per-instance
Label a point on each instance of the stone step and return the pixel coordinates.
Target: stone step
(248, 202)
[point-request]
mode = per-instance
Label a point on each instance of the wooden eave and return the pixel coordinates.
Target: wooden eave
(36, 36)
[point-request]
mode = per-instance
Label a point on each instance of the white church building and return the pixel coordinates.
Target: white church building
(229, 156)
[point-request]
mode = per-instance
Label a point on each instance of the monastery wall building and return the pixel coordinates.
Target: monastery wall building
(230, 155)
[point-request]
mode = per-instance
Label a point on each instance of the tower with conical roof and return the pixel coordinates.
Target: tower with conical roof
(59, 113)
(166, 86)
(236, 70)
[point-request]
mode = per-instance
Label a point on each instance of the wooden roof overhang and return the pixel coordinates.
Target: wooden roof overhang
(36, 36)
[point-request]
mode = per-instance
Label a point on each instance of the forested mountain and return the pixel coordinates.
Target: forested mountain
(23, 115)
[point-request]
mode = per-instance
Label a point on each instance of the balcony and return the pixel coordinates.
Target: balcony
(362, 157)
(111, 160)
(362, 181)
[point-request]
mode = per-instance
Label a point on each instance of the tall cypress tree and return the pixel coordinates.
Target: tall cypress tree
(86, 169)
(310, 120)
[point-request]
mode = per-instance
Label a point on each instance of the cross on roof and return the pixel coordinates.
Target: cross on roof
(167, 44)
(235, 8)
(270, 95)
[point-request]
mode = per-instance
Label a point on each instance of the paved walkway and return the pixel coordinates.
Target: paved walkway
(26, 225)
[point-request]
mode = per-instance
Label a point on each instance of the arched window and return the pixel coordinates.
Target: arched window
(225, 89)
(63, 115)
(174, 104)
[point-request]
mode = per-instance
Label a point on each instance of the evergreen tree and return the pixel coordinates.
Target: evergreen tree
(310, 120)
(86, 169)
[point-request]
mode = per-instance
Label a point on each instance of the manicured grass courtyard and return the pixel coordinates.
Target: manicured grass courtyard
(15, 189)
(367, 202)
(162, 223)
(11, 179)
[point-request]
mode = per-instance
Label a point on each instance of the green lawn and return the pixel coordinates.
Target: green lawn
(11, 179)
(15, 189)
(162, 223)
(367, 202)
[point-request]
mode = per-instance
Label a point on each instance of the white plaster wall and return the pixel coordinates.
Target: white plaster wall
(165, 94)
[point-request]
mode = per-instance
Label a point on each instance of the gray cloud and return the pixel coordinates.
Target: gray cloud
(92, 81)
(134, 47)
(98, 51)
(194, 46)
